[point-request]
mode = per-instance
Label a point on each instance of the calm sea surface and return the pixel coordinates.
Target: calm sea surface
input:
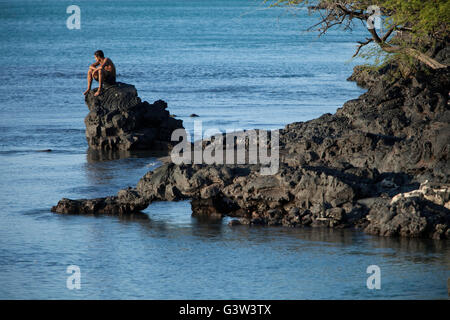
(236, 65)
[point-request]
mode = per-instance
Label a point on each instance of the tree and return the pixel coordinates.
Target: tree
(412, 26)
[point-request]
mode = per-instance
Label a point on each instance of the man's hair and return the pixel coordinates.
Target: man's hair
(99, 53)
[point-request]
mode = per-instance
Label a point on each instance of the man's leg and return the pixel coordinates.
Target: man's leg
(89, 80)
(100, 78)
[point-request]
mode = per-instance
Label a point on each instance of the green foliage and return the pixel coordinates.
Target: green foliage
(429, 17)
(421, 23)
(374, 55)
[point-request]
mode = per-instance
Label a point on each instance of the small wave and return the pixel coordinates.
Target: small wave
(287, 76)
(152, 164)
(38, 212)
(53, 131)
(222, 89)
(27, 151)
(86, 190)
(36, 74)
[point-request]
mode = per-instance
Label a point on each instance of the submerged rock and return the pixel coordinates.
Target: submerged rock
(119, 120)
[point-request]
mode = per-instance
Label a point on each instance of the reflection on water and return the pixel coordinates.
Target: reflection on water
(141, 218)
(109, 171)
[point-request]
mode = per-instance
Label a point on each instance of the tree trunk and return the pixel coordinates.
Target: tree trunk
(422, 57)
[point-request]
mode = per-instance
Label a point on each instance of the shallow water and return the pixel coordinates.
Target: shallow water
(235, 65)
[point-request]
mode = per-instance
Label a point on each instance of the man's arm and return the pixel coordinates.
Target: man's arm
(92, 66)
(105, 63)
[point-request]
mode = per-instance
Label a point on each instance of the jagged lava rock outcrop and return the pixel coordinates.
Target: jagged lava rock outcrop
(425, 211)
(119, 120)
(341, 170)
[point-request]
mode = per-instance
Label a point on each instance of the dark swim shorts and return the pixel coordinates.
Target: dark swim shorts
(108, 77)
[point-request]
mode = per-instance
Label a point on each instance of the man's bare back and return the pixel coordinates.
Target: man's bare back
(103, 70)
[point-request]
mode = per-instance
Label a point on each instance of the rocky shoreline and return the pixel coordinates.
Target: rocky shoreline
(379, 164)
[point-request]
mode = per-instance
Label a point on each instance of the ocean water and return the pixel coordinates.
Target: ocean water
(235, 64)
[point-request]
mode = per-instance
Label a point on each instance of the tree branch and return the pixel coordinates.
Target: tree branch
(388, 33)
(422, 57)
(362, 44)
(343, 13)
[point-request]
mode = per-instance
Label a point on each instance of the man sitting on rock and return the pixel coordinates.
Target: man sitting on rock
(102, 70)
